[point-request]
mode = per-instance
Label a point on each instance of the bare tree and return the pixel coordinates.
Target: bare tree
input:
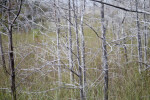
(11, 56)
(3, 10)
(10, 46)
(2, 54)
(57, 21)
(139, 38)
(124, 40)
(67, 52)
(70, 41)
(145, 35)
(83, 49)
(104, 56)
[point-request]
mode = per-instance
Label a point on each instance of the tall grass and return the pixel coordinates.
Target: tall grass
(41, 81)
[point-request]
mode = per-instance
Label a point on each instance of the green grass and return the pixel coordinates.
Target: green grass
(125, 82)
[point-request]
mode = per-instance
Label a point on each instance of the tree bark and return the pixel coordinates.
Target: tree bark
(70, 41)
(124, 40)
(139, 39)
(83, 50)
(145, 36)
(11, 56)
(12, 64)
(2, 55)
(10, 47)
(57, 20)
(104, 56)
(124, 45)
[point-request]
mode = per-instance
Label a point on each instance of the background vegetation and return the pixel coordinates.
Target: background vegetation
(35, 44)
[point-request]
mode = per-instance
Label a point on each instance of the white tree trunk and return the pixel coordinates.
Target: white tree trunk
(139, 39)
(2, 54)
(104, 56)
(124, 40)
(57, 21)
(83, 48)
(145, 36)
(83, 56)
(78, 50)
(70, 41)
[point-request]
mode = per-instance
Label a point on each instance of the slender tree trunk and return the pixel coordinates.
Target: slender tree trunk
(11, 56)
(131, 57)
(124, 40)
(139, 39)
(2, 54)
(10, 48)
(78, 51)
(57, 20)
(70, 41)
(1, 42)
(104, 56)
(124, 45)
(12, 64)
(11, 19)
(83, 49)
(145, 36)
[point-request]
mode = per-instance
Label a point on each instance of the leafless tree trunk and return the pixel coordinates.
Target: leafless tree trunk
(124, 45)
(70, 41)
(83, 49)
(145, 36)
(11, 56)
(2, 54)
(124, 41)
(12, 64)
(78, 50)
(57, 20)
(11, 22)
(76, 31)
(139, 39)
(104, 56)
(1, 41)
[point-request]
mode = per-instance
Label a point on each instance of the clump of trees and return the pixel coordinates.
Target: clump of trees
(72, 44)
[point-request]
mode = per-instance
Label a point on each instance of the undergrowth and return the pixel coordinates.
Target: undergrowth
(41, 83)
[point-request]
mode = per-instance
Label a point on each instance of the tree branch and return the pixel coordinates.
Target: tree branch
(122, 8)
(18, 12)
(4, 7)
